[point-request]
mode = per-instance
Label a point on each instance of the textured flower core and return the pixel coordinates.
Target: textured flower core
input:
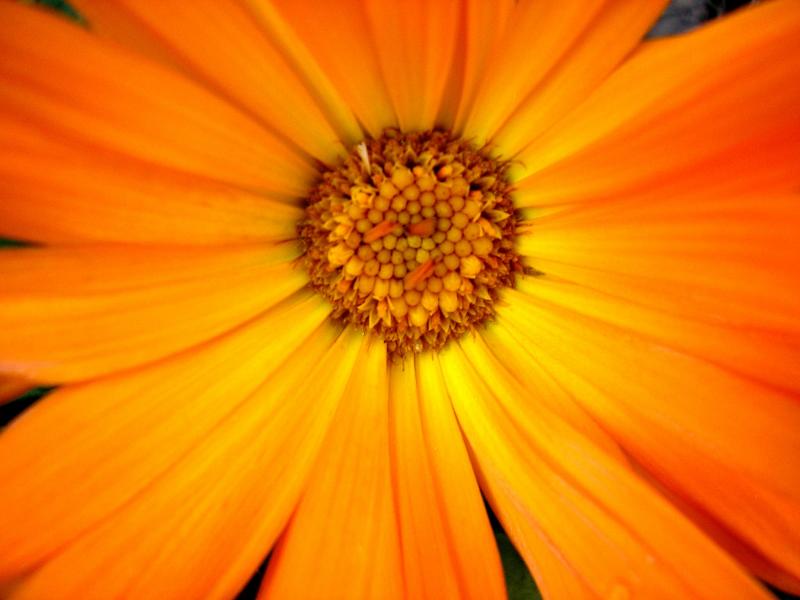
(411, 238)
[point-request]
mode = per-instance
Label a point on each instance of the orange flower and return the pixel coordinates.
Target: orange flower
(629, 409)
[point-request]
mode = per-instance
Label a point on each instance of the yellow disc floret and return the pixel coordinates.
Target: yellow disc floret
(411, 238)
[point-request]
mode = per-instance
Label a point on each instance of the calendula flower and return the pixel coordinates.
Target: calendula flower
(314, 278)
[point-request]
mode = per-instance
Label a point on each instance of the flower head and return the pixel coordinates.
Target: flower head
(314, 280)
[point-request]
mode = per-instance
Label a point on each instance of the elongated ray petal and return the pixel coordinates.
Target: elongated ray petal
(71, 314)
(714, 438)
(202, 527)
(223, 47)
(680, 107)
(448, 547)
(349, 497)
(79, 94)
(586, 525)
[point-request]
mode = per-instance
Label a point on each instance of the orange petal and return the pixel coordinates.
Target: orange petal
(314, 76)
(586, 525)
(336, 36)
(538, 34)
(130, 428)
(105, 97)
(111, 21)
(57, 190)
(213, 516)
(766, 357)
(448, 547)
(720, 441)
(485, 24)
(70, 314)
(344, 530)
(725, 92)
(220, 45)
(730, 261)
(415, 42)
(613, 33)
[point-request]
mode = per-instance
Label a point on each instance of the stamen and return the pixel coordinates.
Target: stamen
(381, 229)
(420, 274)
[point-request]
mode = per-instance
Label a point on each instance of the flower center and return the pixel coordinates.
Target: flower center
(411, 238)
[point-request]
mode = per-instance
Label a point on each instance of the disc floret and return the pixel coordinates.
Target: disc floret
(411, 238)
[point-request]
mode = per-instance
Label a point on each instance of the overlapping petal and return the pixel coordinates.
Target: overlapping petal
(721, 101)
(222, 46)
(349, 500)
(58, 190)
(586, 524)
(415, 42)
(73, 313)
(547, 49)
(723, 261)
(448, 546)
(201, 520)
(713, 437)
(79, 94)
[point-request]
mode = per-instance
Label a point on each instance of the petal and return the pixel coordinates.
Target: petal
(335, 34)
(614, 32)
(585, 524)
(200, 529)
(109, 20)
(538, 34)
(342, 541)
(128, 429)
(680, 106)
(415, 42)
(730, 261)
(447, 542)
(715, 439)
(70, 314)
(760, 356)
(221, 46)
(313, 74)
(104, 97)
(57, 190)
(485, 25)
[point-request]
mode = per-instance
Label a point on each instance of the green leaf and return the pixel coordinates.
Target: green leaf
(519, 583)
(61, 6)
